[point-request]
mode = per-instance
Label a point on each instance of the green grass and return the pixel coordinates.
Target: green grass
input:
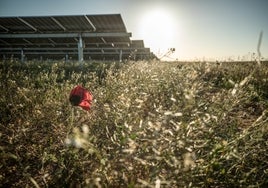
(174, 124)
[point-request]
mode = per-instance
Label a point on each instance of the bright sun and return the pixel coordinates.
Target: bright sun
(157, 28)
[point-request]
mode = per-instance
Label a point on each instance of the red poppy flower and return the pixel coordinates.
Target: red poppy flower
(79, 96)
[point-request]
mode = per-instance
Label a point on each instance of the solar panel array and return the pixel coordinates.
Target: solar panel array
(82, 37)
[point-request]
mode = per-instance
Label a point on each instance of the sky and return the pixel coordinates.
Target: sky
(197, 29)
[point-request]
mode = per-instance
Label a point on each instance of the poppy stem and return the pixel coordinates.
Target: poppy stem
(72, 116)
(70, 126)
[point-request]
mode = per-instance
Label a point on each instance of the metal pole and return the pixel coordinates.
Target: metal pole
(22, 56)
(80, 49)
(120, 55)
(66, 58)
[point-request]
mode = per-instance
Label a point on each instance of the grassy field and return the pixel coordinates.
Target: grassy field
(152, 124)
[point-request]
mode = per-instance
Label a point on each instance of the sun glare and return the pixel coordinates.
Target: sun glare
(157, 28)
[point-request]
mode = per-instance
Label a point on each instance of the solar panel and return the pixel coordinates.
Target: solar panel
(13, 25)
(79, 23)
(111, 23)
(137, 44)
(97, 35)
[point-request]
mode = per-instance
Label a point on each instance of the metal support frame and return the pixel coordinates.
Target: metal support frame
(80, 36)
(116, 49)
(80, 50)
(69, 53)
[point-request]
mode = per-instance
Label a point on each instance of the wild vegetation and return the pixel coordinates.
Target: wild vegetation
(152, 124)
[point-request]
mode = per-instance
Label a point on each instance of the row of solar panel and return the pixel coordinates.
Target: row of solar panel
(54, 24)
(102, 37)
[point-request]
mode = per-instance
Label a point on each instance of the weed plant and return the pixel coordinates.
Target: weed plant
(152, 124)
